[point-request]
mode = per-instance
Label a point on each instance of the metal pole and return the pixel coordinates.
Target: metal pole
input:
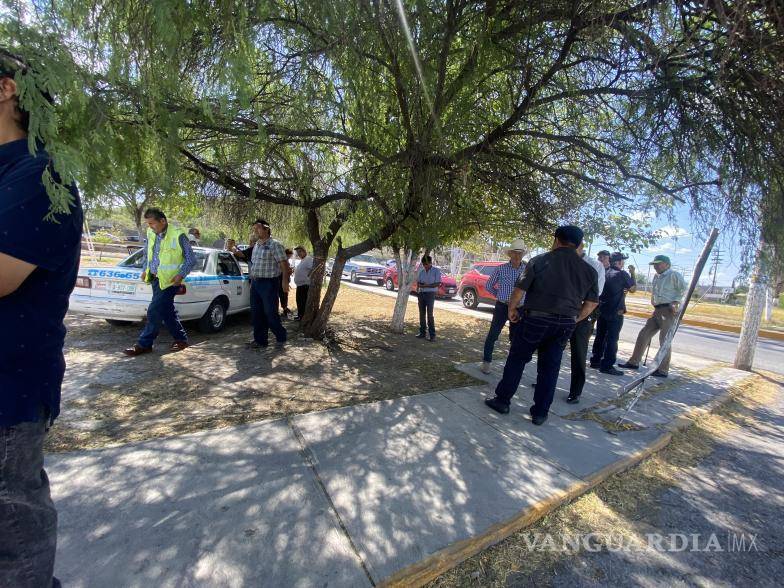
(666, 345)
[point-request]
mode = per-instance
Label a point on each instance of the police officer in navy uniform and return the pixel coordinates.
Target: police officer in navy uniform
(560, 290)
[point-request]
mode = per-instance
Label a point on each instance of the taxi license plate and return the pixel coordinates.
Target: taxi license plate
(120, 288)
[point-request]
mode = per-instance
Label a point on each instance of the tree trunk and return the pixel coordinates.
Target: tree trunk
(752, 316)
(768, 305)
(405, 276)
(318, 326)
(320, 251)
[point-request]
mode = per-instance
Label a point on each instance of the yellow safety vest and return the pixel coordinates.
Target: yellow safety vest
(170, 255)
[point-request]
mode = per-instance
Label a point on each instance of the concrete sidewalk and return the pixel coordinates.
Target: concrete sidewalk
(396, 490)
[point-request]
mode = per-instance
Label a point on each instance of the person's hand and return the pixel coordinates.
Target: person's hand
(631, 269)
(514, 316)
(177, 280)
(144, 276)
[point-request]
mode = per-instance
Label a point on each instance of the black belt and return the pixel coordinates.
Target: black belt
(548, 314)
(666, 304)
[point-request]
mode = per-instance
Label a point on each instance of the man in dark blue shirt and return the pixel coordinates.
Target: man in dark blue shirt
(39, 260)
(612, 306)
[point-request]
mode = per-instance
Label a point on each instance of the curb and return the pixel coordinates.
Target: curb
(767, 334)
(430, 568)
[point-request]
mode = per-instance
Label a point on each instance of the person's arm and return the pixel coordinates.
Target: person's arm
(438, 283)
(514, 300)
(13, 272)
(586, 309)
(144, 261)
(631, 283)
(494, 281)
(188, 263)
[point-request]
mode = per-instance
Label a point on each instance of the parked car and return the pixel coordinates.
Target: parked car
(448, 287)
(472, 287)
(217, 287)
(364, 267)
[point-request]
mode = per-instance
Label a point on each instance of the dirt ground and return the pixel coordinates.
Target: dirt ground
(109, 398)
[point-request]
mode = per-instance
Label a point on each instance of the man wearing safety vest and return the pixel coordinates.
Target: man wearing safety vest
(168, 258)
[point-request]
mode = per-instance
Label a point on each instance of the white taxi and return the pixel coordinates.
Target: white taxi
(217, 287)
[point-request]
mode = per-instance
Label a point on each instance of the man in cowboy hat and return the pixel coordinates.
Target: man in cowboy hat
(501, 284)
(667, 289)
(560, 290)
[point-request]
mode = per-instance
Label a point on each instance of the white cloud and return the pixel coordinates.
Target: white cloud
(641, 216)
(668, 247)
(672, 232)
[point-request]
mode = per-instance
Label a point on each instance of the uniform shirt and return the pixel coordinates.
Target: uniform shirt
(188, 263)
(266, 259)
(503, 281)
(613, 299)
(667, 287)
(558, 282)
(31, 318)
(431, 276)
(302, 271)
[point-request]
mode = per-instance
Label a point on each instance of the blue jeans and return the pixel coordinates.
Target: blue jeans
(264, 309)
(500, 316)
(427, 301)
(28, 519)
(605, 345)
(161, 310)
(547, 335)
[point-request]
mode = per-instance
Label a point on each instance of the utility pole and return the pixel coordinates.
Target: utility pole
(717, 259)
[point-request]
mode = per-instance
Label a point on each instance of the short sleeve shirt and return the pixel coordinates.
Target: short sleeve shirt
(302, 271)
(558, 282)
(31, 348)
(431, 276)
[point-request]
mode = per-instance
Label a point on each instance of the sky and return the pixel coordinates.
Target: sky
(682, 241)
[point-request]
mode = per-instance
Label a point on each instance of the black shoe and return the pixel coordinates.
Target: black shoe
(497, 405)
(539, 420)
(629, 366)
(593, 366)
(531, 410)
(421, 336)
(432, 338)
(572, 399)
(612, 371)
(658, 374)
(280, 346)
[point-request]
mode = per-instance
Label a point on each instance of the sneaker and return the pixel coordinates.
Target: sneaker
(485, 367)
(593, 366)
(658, 374)
(280, 346)
(179, 346)
(431, 338)
(255, 345)
(137, 350)
(572, 399)
(420, 336)
(612, 371)
(628, 366)
(497, 405)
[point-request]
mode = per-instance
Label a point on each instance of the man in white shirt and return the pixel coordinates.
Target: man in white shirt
(302, 273)
(578, 342)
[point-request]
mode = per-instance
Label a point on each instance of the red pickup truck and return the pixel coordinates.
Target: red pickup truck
(448, 288)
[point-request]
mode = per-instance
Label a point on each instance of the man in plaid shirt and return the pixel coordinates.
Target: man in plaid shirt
(268, 262)
(501, 284)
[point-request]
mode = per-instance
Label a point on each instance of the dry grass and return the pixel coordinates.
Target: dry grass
(620, 506)
(710, 311)
(110, 399)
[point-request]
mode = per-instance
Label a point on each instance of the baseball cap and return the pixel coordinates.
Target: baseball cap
(617, 256)
(603, 252)
(569, 234)
(661, 259)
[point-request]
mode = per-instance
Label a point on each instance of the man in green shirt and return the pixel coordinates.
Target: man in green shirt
(667, 289)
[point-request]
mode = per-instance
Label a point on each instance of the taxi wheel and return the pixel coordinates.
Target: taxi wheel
(215, 318)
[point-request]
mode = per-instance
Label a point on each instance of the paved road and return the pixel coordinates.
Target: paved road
(705, 343)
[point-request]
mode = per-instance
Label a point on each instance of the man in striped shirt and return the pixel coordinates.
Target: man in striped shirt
(501, 284)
